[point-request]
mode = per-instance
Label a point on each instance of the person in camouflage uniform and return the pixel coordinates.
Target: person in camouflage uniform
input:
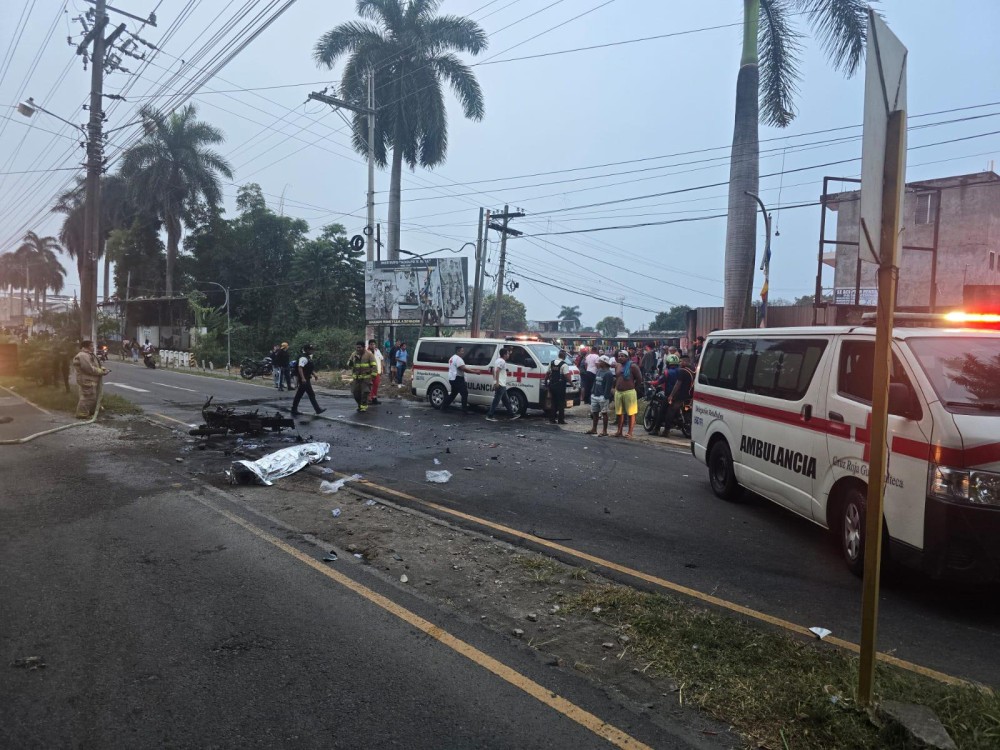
(88, 379)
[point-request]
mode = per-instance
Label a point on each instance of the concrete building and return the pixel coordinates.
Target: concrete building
(951, 241)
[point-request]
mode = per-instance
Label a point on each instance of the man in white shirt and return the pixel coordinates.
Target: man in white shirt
(380, 362)
(589, 373)
(456, 376)
(500, 388)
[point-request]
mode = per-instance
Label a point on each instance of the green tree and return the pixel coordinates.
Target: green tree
(35, 265)
(674, 319)
(412, 54)
(330, 277)
(765, 88)
(513, 313)
(611, 326)
(172, 168)
(571, 317)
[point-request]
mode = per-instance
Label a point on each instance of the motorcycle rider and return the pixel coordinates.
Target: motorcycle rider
(677, 397)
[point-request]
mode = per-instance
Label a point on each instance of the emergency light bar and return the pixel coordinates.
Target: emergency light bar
(956, 317)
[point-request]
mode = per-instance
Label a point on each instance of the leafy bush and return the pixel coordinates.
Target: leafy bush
(333, 345)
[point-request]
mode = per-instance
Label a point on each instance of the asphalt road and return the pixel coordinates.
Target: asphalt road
(644, 506)
(163, 622)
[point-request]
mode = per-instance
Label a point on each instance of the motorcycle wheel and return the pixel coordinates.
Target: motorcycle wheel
(248, 372)
(649, 416)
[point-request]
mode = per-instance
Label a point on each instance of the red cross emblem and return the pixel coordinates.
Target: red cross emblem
(518, 375)
(863, 435)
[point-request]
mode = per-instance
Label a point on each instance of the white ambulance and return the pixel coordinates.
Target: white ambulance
(786, 413)
(527, 366)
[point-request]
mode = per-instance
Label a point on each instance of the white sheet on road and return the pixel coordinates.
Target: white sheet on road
(267, 469)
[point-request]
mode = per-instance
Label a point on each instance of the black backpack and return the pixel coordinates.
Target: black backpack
(555, 377)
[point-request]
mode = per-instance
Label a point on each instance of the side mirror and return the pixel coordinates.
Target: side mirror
(901, 401)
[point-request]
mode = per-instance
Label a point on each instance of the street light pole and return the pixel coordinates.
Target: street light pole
(229, 328)
(765, 262)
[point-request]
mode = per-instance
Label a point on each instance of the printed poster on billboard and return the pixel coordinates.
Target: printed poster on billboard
(417, 291)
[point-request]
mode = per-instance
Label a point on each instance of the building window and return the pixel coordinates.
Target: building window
(927, 206)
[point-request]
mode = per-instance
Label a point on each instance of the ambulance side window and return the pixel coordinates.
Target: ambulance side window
(519, 356)
(725, 362)
(480, 355)
(784, 368)
(435, 351)
(854, 374)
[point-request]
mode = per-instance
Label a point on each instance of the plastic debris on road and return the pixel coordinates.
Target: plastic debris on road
(336, 511)
(326, 470)
(330, 558)
(438, 477)
(370, 502)
(437, 461)
(278, 465)
(820, 633)
(328, 488)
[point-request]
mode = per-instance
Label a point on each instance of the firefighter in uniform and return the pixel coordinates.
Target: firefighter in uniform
(88, 379)
(364, 367)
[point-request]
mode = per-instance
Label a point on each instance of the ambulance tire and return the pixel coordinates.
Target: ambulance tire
(851, 528)
(721, 473)
(436, 394)
(519, 401)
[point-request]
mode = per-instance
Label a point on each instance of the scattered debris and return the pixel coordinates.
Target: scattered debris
(369, 502)
(820, 633)
(223, 420)
(920, 723)
(531, 617)
(404, 578)
(179, 460)
(328, 488)
(326, 470)
(330, 558)
(29, 662)
(359, 555)
(282, 463)
(517, 632)
(335, 511)
(608, 645)
(437, 461)
(438, 477)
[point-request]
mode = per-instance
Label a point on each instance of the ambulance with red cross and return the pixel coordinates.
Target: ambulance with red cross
(786, 413)
(527, 367)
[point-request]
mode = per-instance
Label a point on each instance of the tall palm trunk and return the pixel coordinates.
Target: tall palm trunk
(744, 177)
(395, 179)
(107, 275)
(173, 223)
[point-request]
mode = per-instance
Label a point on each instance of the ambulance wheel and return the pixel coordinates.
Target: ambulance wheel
(852, 529)
(519, 401)
(720, 471)
(436, 394)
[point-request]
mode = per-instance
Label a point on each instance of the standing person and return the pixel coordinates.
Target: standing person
(402, 357)
(557, 377)
(589, 373)
(379, 369)
(456, 376)
(677, 396)
(699, 344)
(600, 395)
(135, 350)
(306, 371)
(88, 379)
(392, 362)
(627, 379)
(648, 362)
(280, 360)
(363, 368)
(500, 388)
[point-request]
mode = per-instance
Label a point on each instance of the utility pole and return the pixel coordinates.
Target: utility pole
(369, 112)
(765, 262)
(504, 230)
(477, 282)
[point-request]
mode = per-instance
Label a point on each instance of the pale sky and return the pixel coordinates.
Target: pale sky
(653, 101)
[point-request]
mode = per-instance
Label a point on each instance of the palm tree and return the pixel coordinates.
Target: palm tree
(570, 315)
(411, 51)
(172, 168)
(765, 88)
(36, 256)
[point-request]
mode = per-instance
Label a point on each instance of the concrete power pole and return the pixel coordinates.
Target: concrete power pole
(477, 281)
(504, 230)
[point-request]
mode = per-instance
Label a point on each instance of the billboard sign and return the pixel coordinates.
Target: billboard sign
(885, 92)
(417, 291)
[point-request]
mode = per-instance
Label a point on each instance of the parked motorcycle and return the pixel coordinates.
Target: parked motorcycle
(658, 400)
(251, 368)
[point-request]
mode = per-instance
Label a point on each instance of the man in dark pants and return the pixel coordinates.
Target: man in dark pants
(456, 376)
(307, 371)
(280, 361)
(676, 398)
(557, 377)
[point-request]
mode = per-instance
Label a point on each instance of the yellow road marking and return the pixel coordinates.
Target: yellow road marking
(612, 734)
(680, 589)
(164, 416)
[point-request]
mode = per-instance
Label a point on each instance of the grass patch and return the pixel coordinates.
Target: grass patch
(57, 399)
(779, 691)
(541, 569)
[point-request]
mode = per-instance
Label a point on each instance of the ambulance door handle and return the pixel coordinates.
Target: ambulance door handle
(835, 416)
(807, 412)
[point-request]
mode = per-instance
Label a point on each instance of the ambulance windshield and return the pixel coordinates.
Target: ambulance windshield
(545, 352)
(964, 371)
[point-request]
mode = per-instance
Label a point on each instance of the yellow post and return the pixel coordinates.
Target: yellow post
(895, 161)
